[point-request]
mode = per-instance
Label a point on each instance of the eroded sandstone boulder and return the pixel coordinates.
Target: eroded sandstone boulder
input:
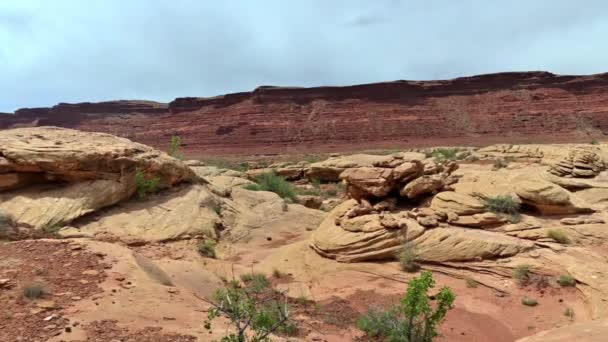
(580, 162)
(62, 174)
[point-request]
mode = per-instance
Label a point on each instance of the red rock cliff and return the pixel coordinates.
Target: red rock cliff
(503, 107)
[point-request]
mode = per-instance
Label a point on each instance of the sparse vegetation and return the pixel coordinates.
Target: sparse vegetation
(569, 313)
(558, 235)
(594, 142)
(52, 228)
(175, 147)
(408, 257)
(255, 281)
(206, 248)
(529, 301)
(254, 314)
(6, 224)
(471, 283)
(274, 183)
(505, 205)
(277, 274)
(566, 280)
(145, 185)
(521, 273)
(500, 163)
(444, 154)
(34, 291)
(414, 320)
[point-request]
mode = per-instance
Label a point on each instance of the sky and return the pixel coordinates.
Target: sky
(98, 50)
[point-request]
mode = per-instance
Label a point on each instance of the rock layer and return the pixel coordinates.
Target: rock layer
(518, 105)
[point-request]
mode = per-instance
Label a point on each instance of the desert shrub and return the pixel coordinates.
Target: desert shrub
(332, 192)
(569, 313)
(414, 320)
(502, 204)
(380, 323)
(521, 273)
(277, 274)
(206, 248)
(34, 291)
(272, 182)
(253, 314)
(175, 147)
(145, 185)
(558, 235)
(594, 142)
(52, 228)
(445, 154)
(566, 280)
(255, 281)
(500, 164)
(470, 282)
(408, 257)
(529, 301)
(6, 224)
(313, 158)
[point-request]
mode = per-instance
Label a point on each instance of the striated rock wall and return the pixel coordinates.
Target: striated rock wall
(510, 107)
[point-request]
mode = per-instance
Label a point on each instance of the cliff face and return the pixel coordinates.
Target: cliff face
(504, 107)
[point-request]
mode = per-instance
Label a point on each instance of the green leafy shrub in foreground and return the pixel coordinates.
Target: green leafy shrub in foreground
(274, 183)
(414, 320)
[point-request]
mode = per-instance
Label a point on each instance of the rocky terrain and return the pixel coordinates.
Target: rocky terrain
(103, 238)
(526, 107)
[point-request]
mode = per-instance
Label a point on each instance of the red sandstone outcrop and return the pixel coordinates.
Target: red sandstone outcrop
(505, 107)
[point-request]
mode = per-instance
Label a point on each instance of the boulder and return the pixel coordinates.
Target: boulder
(310, 201)
(458, 203)
(581, 162)
(422, 186)
(479, 220)
(330, 169)
(364, 237)
(61, 174)
(407, 170)
(368, 181)
(547, 197)
(461, 244)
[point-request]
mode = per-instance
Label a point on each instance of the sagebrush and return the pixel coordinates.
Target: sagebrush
(272, 182)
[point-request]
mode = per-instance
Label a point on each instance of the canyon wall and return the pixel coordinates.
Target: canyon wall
(496, 108)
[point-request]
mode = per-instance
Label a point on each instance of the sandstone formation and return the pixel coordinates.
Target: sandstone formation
(517, 106)
(50, 176)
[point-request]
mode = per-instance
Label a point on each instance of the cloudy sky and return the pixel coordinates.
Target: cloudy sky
(74, 51)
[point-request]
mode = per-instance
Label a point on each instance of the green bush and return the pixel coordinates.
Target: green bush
(414, 320)
(566, 280)
(558, 235)
(408, 257)
(521, 273)
(144, 185)
(258, 282)
(445, 154)
(175, 147)
(529, 301)
(502, 204)
(34, 291)
(274, 183)
(254, 315)
(500, 164)
(206, 248)
(6, 224)
(594, 142)
(569, 313)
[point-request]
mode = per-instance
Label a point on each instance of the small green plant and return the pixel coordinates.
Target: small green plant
(206, 248)
(52, 228)
(594, 142)
(34, 291)
(414, 320)
(144, 185)
(470, 282)
(504, 204)
(175, 147)
(521, 273)
(566, 280)
(254, 315)
(256, 281)
(558, 235)
(445, 154)
(569, 313)
(274, 183)
(408, 257)
(6, 225)
(529, 301)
